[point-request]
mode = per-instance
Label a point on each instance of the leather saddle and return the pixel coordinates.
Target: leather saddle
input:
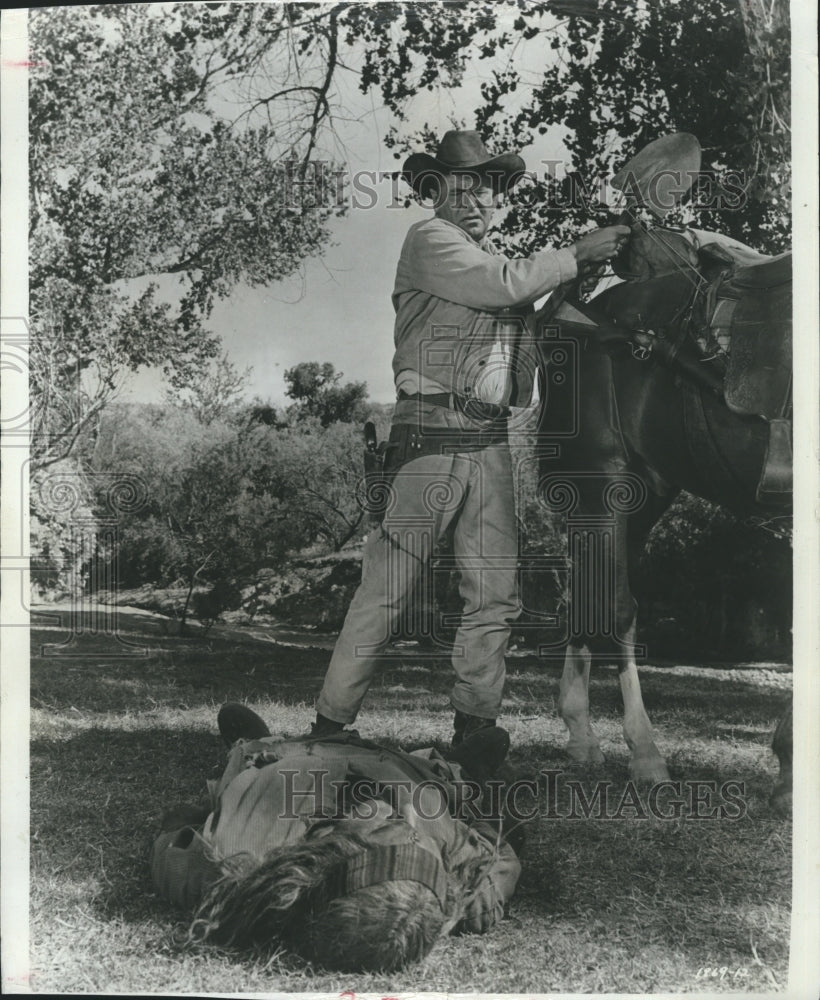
(754, 310)
(766, 274)
(754, 307)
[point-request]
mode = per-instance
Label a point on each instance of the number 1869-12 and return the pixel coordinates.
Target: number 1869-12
(721, 972)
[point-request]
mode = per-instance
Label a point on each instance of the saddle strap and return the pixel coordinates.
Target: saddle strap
(775, 486)
(722, 313)
(703, 450)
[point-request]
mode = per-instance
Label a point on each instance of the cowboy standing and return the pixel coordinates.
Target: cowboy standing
(458, 368)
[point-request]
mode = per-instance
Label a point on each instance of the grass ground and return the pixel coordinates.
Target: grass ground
(619, 905)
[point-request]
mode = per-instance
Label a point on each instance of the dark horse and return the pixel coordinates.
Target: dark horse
(659, 405)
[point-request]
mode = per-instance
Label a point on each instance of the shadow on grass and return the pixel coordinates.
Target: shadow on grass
(97, 799)
(178, 672)
(707, 885)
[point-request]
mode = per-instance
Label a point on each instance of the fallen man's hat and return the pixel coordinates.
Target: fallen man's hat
(659, 175)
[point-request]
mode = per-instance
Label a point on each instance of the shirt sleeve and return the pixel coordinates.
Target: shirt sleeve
(489, 870)
(484, 907)
(442, 262)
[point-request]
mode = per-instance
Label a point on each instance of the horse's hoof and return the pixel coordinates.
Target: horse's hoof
(585, 753)
(780, 801)
(649, 769)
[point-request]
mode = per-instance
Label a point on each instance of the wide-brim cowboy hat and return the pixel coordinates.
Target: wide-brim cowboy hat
(462, 153)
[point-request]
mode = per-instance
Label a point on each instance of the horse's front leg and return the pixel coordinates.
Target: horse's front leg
(646, 762)
(573, 707)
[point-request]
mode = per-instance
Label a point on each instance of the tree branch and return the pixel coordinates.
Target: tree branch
(264, 101)
(332, 55)
(82, 422)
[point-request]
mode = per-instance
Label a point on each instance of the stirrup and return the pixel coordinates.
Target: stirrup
(775, 486)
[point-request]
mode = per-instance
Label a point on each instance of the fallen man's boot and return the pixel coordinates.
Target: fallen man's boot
(238, 722)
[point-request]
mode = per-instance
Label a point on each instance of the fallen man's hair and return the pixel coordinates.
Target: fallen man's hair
(336, 900)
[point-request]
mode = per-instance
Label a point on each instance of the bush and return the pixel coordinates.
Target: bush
(227, 498)
(712, 583)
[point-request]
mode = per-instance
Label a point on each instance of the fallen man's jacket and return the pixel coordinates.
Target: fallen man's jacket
(276, 792)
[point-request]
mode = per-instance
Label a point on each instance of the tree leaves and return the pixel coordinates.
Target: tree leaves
(134, 175)
(317, 393)
(616, 75)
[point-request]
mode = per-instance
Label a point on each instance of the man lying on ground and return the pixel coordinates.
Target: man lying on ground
(343, 851)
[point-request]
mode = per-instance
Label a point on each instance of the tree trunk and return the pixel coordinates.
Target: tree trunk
(186, 605)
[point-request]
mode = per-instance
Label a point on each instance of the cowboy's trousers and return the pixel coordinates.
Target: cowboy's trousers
(472, 492)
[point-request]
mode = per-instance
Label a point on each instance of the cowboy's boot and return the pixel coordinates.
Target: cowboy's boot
(465, 725)
(325, 727)
(481, 753)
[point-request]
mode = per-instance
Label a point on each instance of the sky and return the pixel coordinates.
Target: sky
(339, 308)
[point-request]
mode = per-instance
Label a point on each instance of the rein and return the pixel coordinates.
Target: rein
(680, 263)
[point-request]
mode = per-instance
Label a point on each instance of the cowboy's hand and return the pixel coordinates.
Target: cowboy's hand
(590, 274)
(601, 244)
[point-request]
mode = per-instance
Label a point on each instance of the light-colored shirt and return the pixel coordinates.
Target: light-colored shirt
(455, 301)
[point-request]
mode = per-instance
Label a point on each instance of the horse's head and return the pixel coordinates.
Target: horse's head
(650, 305)
(655, 250)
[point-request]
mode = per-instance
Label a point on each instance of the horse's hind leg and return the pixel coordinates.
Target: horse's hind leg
(573, 707)
(646, 762)
(782, 744)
